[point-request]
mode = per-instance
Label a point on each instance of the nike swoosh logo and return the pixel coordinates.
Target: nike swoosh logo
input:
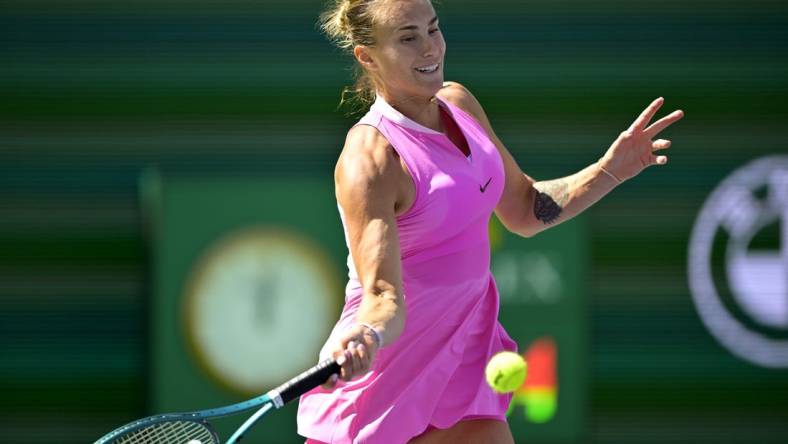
(484, 188)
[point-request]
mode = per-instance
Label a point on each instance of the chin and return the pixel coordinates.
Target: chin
(431, 88)
(422, 88)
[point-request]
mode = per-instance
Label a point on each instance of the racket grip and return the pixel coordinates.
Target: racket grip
(304, 382)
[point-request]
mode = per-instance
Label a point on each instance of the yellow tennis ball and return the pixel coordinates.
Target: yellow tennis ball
(506, 372)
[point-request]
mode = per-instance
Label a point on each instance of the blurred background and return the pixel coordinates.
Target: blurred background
(139, 141)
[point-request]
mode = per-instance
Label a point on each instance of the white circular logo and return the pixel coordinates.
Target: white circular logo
(257, 306)
(738, 262)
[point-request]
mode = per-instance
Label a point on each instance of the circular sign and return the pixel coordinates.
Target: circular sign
(258, 306)
(742, 206)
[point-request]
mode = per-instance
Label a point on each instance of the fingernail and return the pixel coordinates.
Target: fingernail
(360, 347)
(341, 360)
(351, 345)
(334, 378)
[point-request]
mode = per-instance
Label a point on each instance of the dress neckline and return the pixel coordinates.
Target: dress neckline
(392, 114)
(380, 105)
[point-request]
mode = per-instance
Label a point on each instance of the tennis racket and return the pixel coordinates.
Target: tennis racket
(193, 427)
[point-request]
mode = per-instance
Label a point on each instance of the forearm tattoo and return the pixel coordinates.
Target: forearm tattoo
(551, 197)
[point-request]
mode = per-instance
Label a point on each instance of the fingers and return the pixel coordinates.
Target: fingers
(330, 382)
(363, 356)
(345, 367)
(354, 360)
(659, 160)
(660, 144)
(354, 353)
(663, 123)
(646, 115)
(357, 361)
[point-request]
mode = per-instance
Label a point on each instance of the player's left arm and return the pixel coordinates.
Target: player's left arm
(528, 206)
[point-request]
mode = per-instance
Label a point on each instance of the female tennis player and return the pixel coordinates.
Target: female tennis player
(416, 183)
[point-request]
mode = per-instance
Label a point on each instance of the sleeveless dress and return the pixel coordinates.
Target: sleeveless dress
(432, 376)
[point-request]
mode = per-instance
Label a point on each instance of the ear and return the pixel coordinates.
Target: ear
(364, 57)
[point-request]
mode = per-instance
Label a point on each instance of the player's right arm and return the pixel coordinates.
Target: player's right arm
(368, 180)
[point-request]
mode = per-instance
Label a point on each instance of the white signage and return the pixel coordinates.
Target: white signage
(748, 201)
(528, 277)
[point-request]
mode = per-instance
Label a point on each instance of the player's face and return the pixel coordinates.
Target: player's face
(408, 56)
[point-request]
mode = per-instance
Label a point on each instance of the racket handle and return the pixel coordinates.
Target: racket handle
(304, 382)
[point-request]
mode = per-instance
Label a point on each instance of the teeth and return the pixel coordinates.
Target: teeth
(430, 68)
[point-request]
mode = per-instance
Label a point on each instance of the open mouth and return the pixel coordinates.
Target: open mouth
(428, 69)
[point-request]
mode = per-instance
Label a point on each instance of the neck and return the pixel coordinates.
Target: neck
(422, 110)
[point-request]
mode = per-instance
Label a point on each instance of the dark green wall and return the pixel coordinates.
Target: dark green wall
(91, 92)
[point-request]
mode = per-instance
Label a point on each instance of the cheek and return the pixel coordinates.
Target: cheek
(441, 43)
(397, 55)
(388, 61)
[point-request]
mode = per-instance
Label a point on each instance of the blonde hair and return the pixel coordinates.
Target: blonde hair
(348, 23)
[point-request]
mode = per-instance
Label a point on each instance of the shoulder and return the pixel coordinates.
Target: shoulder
(367, 160)
(461, 97)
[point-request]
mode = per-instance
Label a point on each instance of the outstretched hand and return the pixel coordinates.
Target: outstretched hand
(634, 149)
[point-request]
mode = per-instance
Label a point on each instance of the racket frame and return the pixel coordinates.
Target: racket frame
(276, 398)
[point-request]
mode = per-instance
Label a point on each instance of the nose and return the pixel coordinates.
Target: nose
(430, 48)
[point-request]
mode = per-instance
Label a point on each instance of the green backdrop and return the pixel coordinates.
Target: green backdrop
(223, 242)
(94, 91)
(246, 285)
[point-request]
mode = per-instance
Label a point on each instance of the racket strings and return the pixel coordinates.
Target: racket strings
(170, 432)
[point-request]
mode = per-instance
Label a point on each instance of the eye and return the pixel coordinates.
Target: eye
(408, 39)
(433, 31)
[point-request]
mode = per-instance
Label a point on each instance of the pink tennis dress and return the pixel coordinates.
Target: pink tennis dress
(433, 375)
